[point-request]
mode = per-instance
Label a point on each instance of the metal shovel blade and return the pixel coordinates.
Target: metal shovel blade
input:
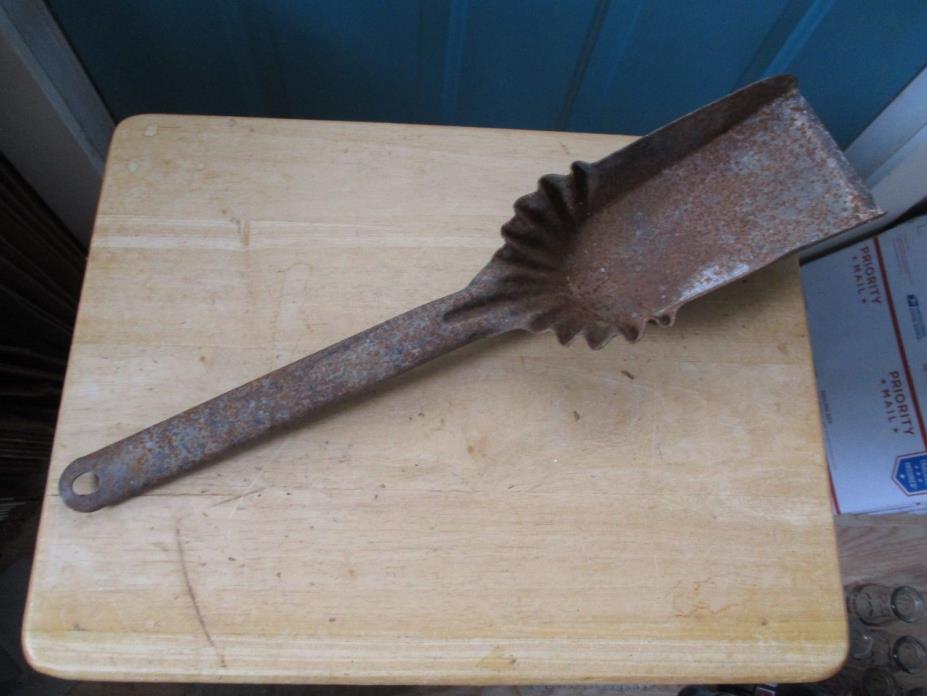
(604, 250)
(693, 206)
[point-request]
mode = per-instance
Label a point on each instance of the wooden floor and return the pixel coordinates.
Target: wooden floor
(891, 549)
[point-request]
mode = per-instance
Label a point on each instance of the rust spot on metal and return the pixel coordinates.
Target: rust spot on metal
(605, 250)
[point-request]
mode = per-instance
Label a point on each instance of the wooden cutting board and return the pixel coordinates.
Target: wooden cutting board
(516, 512)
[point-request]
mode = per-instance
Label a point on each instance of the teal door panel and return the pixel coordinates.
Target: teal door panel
(592, 65)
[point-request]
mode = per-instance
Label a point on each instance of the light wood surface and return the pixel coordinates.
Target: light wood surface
(514, 513)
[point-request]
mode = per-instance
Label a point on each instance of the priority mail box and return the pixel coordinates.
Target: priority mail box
(866, 317)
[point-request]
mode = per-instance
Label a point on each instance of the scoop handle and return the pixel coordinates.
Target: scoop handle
(291, 393)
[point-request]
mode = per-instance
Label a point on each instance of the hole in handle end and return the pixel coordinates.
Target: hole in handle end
(80, 487)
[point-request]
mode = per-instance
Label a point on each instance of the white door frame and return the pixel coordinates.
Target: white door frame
(891, 157)
(54, 128)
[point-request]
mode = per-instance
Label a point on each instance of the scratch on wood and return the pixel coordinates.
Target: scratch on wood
(244, 230)
(196, 604)
(237, 497)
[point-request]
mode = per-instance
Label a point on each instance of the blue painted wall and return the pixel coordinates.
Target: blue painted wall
(619, 66)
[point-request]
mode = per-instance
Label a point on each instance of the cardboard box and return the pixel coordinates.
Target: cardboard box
(866, 313)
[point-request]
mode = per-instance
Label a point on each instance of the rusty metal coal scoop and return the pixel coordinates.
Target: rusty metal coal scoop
(610, 247)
